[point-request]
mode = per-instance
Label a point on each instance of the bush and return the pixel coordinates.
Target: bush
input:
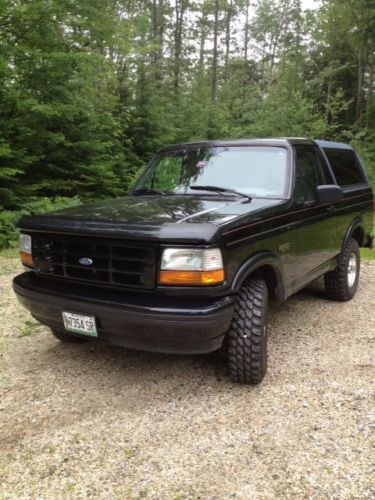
(364, 142)
(9, 219)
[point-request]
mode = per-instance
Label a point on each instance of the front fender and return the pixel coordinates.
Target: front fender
(258, 262)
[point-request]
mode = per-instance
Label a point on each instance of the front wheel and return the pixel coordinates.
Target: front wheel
(247, 336)
(341, 284)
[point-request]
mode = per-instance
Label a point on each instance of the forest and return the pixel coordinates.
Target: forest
(91, 89)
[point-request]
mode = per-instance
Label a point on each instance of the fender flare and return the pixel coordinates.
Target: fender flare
(255, 262)
(357, 223)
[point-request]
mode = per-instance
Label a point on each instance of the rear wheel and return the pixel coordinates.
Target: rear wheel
(247, 336)
(342, 283)
(66, 337)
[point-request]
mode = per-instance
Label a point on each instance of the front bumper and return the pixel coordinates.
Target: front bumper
(129, 321)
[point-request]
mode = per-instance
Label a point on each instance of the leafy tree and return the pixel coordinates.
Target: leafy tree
(90, 89)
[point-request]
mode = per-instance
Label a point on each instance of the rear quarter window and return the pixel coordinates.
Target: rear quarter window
(345, 166)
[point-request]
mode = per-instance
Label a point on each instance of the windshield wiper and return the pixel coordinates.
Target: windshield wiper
(221, 190)
(147, 191)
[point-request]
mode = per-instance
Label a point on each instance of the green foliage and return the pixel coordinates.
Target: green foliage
(58, 132)
(8, 219)
(288, 113)
(10, 253)
(8, 231)
(367, 253)
(28, 328)
(90, 89)
(364, 142)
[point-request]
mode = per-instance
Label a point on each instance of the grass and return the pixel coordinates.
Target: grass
(130, 453)
(70, 487)
(27, 456)
(49, 447)
(368, 254)
(28, 328)
(10, 253)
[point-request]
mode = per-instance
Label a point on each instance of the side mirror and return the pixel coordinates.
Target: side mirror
(329, 194)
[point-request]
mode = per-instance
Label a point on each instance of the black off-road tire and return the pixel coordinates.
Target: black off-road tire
(247, 336)
(66, 337)
(336, 281)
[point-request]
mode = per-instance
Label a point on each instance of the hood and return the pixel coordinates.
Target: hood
(150, 216)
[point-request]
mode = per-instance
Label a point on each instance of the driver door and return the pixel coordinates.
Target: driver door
(316, 224)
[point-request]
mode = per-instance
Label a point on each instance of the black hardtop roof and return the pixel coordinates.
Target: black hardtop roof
(240, 142)
(276, 141)
(333, 145)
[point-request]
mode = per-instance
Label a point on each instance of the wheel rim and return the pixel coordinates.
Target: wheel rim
(352, 270)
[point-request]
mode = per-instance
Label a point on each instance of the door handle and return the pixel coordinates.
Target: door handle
(330, 208)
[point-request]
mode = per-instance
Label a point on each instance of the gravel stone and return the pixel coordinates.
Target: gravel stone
(94, 421)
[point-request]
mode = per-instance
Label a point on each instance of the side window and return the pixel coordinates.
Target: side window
(345, 166)
(309, 174)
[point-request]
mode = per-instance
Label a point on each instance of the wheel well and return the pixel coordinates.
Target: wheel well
(268, 274)
(359, 235)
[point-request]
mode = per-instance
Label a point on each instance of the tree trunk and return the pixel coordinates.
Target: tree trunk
(328, 102)
(158, 37)
(359, 104)
(227, 31)
(202, 46)
(212, 125)
(247, 30)
(371, 82)
(215, 56)
(179, 20)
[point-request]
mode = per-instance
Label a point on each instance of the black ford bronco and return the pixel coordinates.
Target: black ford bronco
(187, 261)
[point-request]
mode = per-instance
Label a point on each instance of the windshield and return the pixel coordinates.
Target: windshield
(257, 171)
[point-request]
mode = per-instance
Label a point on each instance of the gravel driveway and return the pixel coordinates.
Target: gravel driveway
(80, 421)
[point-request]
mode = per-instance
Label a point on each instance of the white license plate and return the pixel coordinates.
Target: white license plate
(80, 323)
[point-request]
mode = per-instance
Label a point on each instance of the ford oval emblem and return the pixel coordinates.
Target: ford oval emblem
(86, 261)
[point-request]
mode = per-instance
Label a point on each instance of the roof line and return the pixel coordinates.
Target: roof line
(270, 141)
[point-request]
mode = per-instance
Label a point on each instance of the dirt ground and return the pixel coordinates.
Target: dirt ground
(92, 421)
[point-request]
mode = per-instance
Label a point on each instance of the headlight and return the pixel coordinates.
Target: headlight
(26, 250)
(191, 266)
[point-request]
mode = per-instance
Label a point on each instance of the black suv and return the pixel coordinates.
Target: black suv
(187, 261)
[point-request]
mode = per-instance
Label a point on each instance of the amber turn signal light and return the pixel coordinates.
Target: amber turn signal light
(27, 259)
(193, 278)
